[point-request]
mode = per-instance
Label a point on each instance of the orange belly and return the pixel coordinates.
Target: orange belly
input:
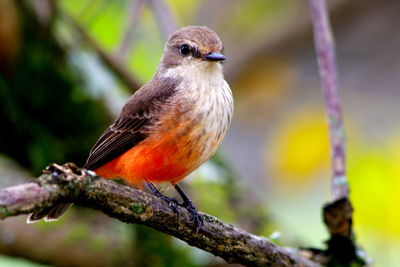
(156, 159)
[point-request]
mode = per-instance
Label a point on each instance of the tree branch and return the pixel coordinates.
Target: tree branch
(338, 213)
(163, 17)
(325, 50)
(135, 10)
(68, 183)
(109, 60)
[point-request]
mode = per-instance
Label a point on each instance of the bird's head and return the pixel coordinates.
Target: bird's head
(193, 47)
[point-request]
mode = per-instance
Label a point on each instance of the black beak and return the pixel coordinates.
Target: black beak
(214, 56)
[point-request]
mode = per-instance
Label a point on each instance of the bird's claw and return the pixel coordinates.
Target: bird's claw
(188, 205)
(198, 221)
(172, 202)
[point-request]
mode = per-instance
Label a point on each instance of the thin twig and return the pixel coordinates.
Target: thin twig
(67, 183)
(338, 213)
(327, 70)
(163, 17)
(112, 63)
(135, 10)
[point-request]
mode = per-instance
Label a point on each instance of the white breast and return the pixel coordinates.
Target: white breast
(206, 98)
(210, 97)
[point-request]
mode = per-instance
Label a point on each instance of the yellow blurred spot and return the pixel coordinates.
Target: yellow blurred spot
(394, 146)
(300, 147)
(374, 182)
(374, 176)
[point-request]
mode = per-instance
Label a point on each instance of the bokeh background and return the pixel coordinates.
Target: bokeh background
(67, 66)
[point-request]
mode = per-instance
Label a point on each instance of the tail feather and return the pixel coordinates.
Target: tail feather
(49, 214)
(37, 216)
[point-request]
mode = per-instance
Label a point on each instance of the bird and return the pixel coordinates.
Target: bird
(171, 125)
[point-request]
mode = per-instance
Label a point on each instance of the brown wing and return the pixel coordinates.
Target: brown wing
(130, 128)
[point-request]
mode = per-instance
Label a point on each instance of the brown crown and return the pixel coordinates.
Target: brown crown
(206, 39)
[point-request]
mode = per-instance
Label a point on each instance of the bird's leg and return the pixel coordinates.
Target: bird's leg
(172, 202)
(191, 208)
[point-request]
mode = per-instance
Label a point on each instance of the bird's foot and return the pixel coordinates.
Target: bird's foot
(198, 221)
(172, 202)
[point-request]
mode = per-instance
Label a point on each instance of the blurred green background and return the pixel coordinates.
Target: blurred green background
(67, 66)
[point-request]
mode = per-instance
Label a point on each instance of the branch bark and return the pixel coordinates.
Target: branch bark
(68, 183)
(338, 213)
(325, 49)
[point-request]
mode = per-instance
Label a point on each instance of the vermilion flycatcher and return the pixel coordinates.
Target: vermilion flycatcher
(171, 125)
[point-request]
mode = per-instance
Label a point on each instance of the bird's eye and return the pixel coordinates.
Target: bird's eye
(184, 49)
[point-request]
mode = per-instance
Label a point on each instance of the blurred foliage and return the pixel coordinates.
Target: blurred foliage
(46, 115)
(15, 262)
(154, 249)
(302, 147)
(105, 23)
(375, 179)
(219, 193)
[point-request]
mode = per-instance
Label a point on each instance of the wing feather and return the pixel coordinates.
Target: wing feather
(131, 127)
